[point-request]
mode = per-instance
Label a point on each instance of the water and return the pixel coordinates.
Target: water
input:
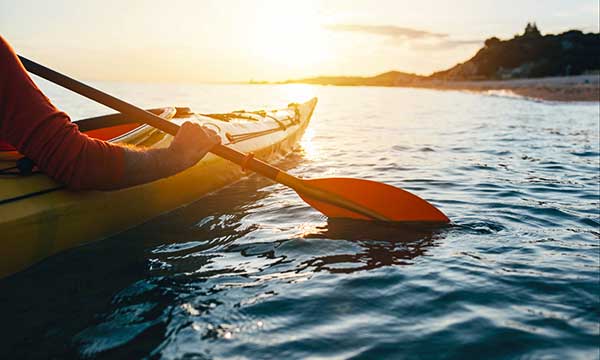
(252, 272)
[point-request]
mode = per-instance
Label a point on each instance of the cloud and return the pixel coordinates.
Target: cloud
(417, 39)
(451, 44)
(391, 31)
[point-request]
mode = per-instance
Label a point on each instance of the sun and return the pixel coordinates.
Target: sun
(289, 39)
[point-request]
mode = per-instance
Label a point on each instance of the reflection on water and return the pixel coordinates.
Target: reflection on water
(309, 150)
(383, 244)
(254, 272)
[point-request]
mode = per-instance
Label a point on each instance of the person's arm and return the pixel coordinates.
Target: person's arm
(38, 130)
(191, 144)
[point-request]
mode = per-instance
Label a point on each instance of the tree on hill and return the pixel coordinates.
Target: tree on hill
(531, 30)
(493, 41)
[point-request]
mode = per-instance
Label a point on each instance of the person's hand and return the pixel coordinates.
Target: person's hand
(192, 142)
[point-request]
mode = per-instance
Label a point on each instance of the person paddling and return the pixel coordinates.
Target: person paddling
(38, 130)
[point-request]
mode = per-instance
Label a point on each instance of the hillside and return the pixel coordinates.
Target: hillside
(530, 55)
(391, 78)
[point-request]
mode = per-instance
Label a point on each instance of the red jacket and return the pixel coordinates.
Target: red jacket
(38, 130)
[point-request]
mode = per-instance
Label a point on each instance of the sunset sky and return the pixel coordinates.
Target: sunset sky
(235, 40)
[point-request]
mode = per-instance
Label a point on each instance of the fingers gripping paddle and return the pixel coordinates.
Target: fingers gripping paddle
(334, 197)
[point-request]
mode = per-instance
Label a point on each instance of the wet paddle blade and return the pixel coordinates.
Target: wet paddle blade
(393, 203)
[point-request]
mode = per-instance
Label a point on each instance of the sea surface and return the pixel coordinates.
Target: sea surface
(252, 272)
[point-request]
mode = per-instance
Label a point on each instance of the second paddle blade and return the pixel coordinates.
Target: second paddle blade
(393, 203)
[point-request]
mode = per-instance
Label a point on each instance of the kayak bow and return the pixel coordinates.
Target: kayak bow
(39, 217)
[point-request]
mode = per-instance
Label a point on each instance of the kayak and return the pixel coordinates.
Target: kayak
(40, 217)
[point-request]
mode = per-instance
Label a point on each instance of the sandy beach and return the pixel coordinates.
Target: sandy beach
(566, 88)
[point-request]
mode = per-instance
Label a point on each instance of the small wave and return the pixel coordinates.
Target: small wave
(426, 149)
(586, 153)
(480, 227)
(504, 93)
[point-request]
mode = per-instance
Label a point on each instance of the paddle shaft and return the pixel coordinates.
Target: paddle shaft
(223, 151)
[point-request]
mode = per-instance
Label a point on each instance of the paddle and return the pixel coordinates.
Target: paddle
(334, 197)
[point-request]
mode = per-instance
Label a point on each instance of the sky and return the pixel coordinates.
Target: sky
(240, 40)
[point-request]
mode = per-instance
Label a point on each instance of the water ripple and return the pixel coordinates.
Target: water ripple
(253, 272)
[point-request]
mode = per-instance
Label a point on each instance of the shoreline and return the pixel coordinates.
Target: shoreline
(580, 88)
(566, 88)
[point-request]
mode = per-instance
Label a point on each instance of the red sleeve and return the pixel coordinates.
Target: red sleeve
(38, 130)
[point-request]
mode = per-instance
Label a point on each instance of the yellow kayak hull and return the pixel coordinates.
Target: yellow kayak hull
(35, 227)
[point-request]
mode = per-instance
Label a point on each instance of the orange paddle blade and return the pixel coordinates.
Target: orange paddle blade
(393, 203)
